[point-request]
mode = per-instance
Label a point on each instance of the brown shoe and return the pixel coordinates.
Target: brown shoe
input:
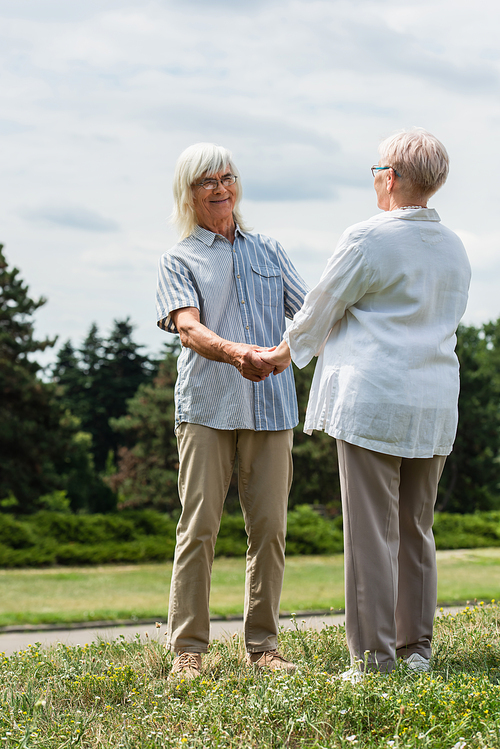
(271, 659)
(186, 666)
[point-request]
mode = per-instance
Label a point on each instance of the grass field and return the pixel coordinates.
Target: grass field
(123, 592)
(116, 695)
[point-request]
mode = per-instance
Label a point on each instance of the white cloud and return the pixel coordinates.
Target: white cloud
(98, 100)
(70, 217)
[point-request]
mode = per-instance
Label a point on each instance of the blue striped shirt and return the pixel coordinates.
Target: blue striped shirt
(243, 292)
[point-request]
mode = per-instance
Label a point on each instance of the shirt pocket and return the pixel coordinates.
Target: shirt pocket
(267, 285)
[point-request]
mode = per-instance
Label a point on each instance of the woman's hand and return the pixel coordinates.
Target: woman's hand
(278, 357)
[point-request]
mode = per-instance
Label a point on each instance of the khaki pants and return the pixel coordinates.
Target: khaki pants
(390, 555)
(207, 458)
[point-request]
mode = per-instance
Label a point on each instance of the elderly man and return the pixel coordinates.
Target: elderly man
(227, 292)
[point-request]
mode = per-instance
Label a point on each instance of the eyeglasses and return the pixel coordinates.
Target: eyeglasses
(376, 168)
(211, 184)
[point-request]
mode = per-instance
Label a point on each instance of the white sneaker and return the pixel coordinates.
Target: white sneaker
(417, 663)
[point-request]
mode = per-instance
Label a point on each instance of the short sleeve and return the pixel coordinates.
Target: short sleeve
(175, 289)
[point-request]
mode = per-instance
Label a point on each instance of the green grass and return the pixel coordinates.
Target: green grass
(116, 695)
(58, 595)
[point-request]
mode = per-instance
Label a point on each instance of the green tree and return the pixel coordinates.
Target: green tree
(97, 380)
(147, 467)
(40, 444)
(315, 467)
(471, 478)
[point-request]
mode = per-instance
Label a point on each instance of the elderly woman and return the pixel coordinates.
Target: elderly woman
(384, 317)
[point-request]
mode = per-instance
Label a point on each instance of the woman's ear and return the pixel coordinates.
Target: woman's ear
(390, 179)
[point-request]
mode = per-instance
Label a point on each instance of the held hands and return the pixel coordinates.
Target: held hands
(278, 358)
(255, 363)
(246, 359)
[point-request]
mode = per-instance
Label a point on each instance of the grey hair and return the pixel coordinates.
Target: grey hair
(419, 157)
(198, 160)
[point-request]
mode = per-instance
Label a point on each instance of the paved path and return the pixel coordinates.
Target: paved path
(11, 642)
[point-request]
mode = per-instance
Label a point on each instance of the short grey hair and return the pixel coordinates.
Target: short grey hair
(196, 161)
(419, 157)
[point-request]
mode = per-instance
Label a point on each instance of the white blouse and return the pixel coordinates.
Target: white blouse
(383, 320)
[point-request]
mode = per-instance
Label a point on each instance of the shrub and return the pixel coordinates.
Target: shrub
(310, 533)
(15, 534)
(133, 536)
(481, 529)
(232, 538)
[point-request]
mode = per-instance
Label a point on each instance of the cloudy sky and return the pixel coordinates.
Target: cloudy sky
(97, 100)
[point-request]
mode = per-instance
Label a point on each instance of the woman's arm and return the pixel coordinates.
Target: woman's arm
(278, 357)
(345, 280)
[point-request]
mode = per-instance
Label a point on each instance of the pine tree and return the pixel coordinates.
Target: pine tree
(37, 437)
(147, 467)
(97, 380)
(471, 478)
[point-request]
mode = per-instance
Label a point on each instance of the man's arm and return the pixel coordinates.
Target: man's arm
(205, 342)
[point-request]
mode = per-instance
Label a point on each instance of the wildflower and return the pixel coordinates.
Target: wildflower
(351, 738)
(158, 625)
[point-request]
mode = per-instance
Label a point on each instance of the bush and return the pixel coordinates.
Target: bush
(232, 538)
(41, 555)
(48, 538)
(481, 529)
(309, 533)
(133, 536)
(15, 533)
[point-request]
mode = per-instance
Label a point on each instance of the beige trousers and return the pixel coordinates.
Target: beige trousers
(207, 459)
(390, 555)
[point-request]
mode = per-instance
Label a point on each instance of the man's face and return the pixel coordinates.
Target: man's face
(213, 207)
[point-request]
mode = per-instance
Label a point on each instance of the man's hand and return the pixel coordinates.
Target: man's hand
(278, 358)
(246, 359)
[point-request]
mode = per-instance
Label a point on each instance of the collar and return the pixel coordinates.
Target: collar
(416, 214)
(208, 237)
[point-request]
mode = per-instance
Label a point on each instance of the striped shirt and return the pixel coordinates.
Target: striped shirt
(243, 292)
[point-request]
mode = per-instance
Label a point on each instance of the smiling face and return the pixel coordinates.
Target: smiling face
(214, 208)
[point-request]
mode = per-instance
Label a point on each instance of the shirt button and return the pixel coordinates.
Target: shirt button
(243, 301)
(237, 276)
(248, 327)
